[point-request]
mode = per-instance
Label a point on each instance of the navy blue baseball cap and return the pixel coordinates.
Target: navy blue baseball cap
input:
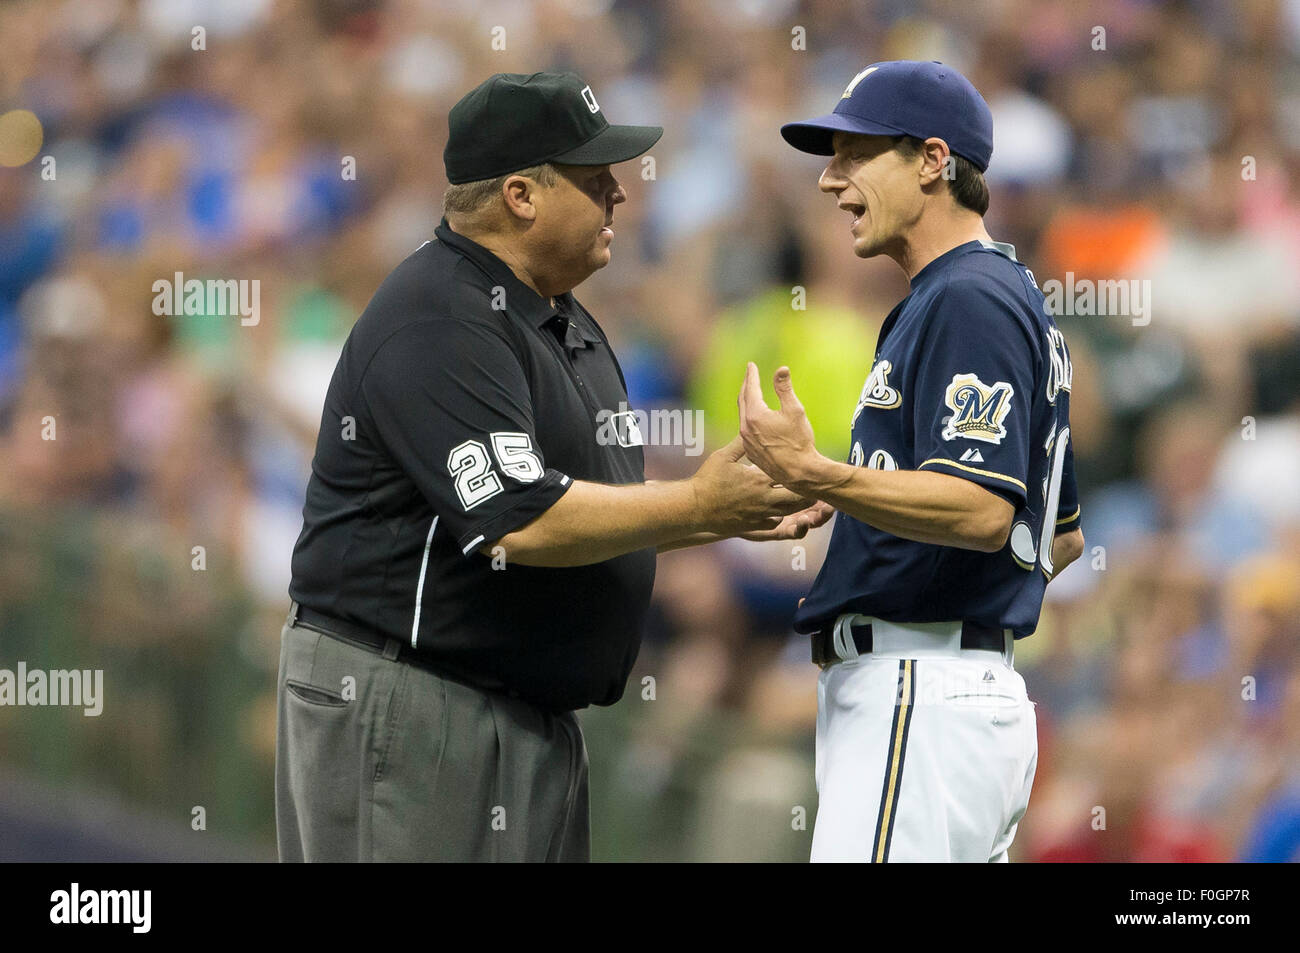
(905, 97)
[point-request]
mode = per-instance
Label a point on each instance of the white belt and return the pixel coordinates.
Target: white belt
(912, 640)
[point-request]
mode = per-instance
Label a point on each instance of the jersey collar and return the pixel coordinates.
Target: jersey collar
(1002, 248)
(520, 298)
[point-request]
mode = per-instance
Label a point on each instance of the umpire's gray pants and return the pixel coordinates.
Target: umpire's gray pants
(380, 760)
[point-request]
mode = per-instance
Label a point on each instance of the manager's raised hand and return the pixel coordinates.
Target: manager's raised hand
(779, 441)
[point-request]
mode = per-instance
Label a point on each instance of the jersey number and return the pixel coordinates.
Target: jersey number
(471, 467)
(1053, 499)
(879, 460)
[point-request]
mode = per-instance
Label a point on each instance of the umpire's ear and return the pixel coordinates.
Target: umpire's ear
(517, 191)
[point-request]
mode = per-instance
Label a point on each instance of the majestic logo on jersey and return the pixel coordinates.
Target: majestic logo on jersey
(978, 409)
(876, 392)
(1061, 375)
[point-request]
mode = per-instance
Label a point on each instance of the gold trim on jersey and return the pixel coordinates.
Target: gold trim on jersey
(1072, 517)
(961, 466)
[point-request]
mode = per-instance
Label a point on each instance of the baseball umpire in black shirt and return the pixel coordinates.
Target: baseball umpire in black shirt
(476, 558)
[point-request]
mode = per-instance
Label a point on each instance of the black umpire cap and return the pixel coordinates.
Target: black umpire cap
(514, 121)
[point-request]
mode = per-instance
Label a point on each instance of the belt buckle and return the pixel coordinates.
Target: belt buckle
(842, 639)
(823, 645)
(843, 647)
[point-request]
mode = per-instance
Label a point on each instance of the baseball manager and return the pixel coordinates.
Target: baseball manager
(958, 502)
(475, 559)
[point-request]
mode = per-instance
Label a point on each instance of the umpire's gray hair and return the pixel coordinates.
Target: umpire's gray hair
(470, 198)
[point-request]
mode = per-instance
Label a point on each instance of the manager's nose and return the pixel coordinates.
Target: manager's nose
(830, 180)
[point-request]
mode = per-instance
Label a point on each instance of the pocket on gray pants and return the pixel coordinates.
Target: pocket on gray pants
(334, 703)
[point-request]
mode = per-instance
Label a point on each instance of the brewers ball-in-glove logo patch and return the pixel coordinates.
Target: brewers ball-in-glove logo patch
(876, 392)
(978, 409)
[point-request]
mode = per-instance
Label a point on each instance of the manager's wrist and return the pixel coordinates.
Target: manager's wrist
(816, 475)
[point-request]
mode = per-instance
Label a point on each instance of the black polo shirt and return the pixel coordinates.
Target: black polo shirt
(463, 406)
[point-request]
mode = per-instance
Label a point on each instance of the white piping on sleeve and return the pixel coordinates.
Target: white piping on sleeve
(419, 589)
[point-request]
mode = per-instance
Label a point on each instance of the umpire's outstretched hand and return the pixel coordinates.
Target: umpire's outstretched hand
(740, 498)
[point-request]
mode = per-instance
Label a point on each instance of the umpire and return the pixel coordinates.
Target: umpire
(477, 552)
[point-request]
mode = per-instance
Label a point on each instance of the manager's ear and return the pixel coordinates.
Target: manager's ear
(518, 192)
(934, 159)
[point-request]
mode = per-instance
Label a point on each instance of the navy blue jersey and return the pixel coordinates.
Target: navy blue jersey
(971, 378)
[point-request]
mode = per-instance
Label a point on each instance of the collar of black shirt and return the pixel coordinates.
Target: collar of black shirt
(570, 326)
(573, 325)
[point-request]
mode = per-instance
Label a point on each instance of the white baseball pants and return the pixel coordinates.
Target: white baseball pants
(925, 751)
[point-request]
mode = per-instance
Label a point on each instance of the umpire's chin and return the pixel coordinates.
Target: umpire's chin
(602, 251)
(600, 247)
(597, 253)
(584, 261)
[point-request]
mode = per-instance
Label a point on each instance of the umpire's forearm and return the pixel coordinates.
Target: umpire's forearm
(695, 539)
(593, 522)
(914, 504)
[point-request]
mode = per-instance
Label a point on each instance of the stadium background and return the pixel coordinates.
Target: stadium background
(1165, 668)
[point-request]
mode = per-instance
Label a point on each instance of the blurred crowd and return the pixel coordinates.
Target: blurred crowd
(299, 143)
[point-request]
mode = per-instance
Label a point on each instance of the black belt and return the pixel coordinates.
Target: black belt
(341, 629)
(387, 646)
(973, 636)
